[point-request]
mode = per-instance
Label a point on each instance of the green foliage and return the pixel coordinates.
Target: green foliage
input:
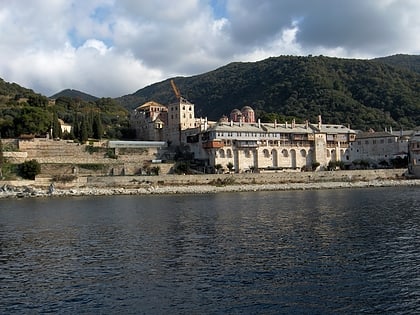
(182, 167)
(218, 168)
(110, 153)
(21, 110)
(92, 166)
(29, 169)
(91, 149)
(362, 93)
(56, 127)
(230, 166)
(9, 170)
(32, 120)
(223, 182)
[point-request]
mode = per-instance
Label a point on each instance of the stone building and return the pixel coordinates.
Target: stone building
(150, 121)
(414, 154)
(242, 141)
(379, 147)
(271, 146)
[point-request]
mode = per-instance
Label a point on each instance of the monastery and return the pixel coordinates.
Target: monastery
(241, 141)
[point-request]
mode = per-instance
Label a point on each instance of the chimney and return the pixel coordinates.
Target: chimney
(275, 123)
(259, 123)
(293, 123)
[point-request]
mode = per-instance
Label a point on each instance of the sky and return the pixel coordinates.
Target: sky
(111, 48)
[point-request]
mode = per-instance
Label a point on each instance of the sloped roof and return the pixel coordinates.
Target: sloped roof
(149, 104)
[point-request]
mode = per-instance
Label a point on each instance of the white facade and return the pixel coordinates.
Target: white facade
(271, 146)
(379, 146)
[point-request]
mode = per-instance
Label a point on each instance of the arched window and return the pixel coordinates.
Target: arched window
(222, 153)
(266, 153)
(229, 153)
(285, 153)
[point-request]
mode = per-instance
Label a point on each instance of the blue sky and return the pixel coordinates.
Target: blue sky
(115, 47)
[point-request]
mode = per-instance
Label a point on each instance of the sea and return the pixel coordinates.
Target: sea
(340, 251)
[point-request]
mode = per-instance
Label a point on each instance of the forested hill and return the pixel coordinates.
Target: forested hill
(409, 62)
(75, 94)
(362, 93)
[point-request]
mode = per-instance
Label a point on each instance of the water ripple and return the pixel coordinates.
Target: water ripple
(307, 252)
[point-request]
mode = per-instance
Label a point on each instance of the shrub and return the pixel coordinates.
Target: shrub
(29, 169)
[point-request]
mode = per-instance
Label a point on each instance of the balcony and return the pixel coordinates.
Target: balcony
(213, 144)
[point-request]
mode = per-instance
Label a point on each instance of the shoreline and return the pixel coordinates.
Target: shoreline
(9, 191)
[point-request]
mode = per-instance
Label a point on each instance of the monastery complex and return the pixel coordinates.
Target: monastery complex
(241, 140)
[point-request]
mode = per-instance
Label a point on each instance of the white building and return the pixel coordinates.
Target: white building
(379, 147)
(271, 146)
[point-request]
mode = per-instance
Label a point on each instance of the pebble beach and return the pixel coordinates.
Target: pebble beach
(8, 191)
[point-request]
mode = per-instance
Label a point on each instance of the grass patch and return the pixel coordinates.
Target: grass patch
(222, 182)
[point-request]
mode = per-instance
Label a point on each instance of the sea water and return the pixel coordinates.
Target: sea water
(342, 251)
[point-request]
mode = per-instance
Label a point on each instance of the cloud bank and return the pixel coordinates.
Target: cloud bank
(112, 48)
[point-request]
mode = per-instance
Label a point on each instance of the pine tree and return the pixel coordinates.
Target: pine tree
(56, 126)
(97, 127)
(84, 136)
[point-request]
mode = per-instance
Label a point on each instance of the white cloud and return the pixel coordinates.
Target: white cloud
(112, 48)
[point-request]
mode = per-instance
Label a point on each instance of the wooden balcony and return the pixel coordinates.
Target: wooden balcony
(213, 144)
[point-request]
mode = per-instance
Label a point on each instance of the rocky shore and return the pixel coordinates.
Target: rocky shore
(9, 191)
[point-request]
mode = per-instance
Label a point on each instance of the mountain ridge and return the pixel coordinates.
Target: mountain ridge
(376, 93)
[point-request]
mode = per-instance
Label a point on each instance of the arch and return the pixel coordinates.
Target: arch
(275, 158)
(333, 155)
(229, 153)
(303, 153)
(285, 153)
(266, 153)
(293, 158)
(310, 157)
(222, 153)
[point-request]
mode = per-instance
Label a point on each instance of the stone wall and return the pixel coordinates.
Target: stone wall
(245, 178)
(70, 158)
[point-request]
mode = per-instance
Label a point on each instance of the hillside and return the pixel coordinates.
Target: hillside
(75, 94)
(408, 62)
(22, 111)
(362, 93)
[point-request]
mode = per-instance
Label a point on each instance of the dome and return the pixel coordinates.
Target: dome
(247, 109)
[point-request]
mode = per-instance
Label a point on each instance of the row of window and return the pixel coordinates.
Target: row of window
(267, 153)
(374, 141)
(183, 108)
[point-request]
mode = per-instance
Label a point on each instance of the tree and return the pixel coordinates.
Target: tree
(37, 101)
(83, 131)
(29, 169)
(32, 120)
(97, 127)
(230, 167)
(56, 126)
(218, 168)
